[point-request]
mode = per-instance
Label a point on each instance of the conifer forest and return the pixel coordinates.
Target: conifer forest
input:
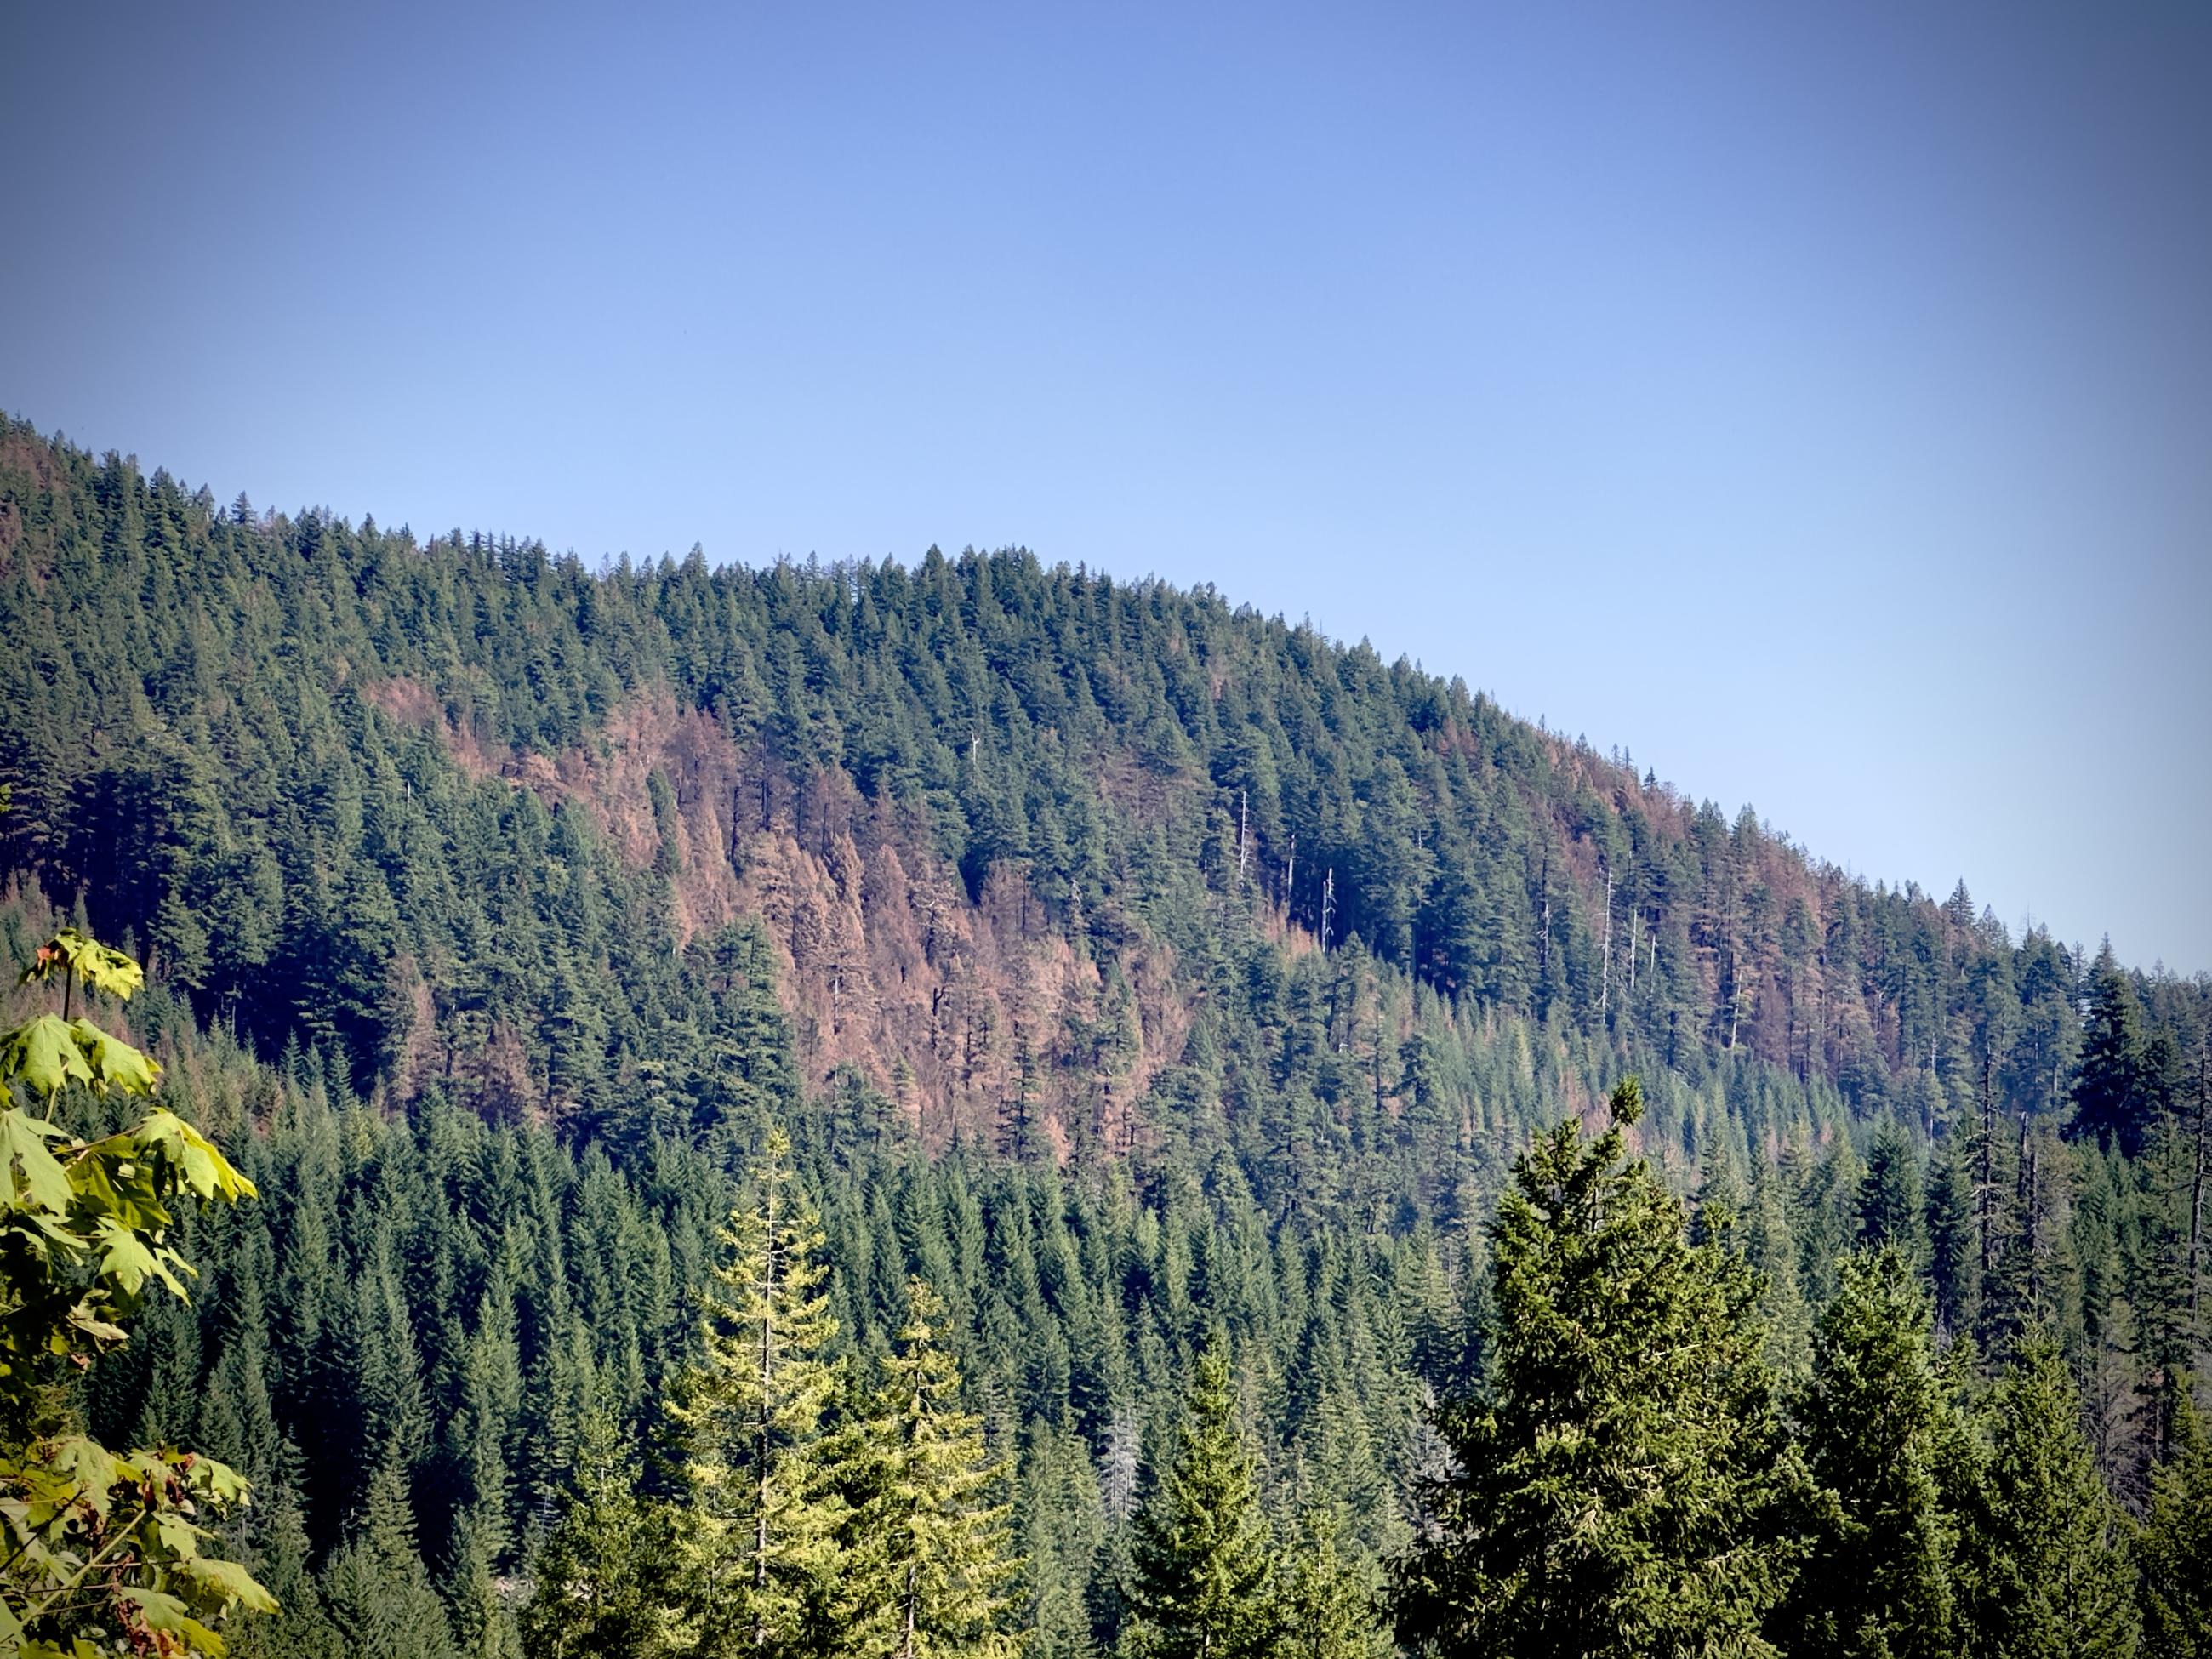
(974, 1108)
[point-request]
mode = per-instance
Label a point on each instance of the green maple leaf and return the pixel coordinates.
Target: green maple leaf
(98, 965)
(125, 1258)
(160, 1609)
(39, 1174)
(114, 1063)
(43, 1054)
(230, 1580)
(206, 1170)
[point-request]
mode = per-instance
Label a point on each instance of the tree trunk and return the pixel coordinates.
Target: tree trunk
(1605, 968)
(2196, 1182)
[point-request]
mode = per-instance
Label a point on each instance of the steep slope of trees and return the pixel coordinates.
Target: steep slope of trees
(1174, 1019)
(455, 1359)
(450, 812)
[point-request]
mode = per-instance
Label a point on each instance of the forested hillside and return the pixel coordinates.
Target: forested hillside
(443, 810)
(1137, 979)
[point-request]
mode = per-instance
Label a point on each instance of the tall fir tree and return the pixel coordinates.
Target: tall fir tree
(1203, 1581)
(2056, 1580)
(601, 1577)
(1886, 1443)
(1332, 1606)
(302, 1629)
(1061, 1528)
(1953, 1268)
(2113, 1094)
(1619, 1490)
(930, 1555)
(1891, 1206)
(2175, 1547)
(377, 1590)
(758, 1554)
(1773, 1252)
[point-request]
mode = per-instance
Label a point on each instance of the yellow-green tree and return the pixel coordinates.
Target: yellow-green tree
(758, 1551)
(930, 1542)
(1331, 1600)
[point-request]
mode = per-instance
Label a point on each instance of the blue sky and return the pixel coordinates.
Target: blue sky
(1817, 402)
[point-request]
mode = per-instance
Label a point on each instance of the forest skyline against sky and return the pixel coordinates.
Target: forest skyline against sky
(1814, 409)
(991, 831)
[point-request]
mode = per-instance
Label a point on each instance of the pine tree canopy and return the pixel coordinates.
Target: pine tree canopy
(907, 1109)
(1203, 1583)
(1617, 1487)
(757, 1547)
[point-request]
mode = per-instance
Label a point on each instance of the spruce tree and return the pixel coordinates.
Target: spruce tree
(601, 1577)
(1203, 1580)
(1061, 1526)
(1331, 1602)
(1883, 1438)
(2112, 1091)
(2059, 1583)
(1891, 1207)
(1766, 1243)
(2175, 1547)
(377, 1590)
(931, 1551)
(300, 1629)
(1953, 1268)
(758, 1551)
(1619, 1489)
(483, 1611)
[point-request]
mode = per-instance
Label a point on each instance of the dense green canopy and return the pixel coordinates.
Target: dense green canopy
(1198, 1012)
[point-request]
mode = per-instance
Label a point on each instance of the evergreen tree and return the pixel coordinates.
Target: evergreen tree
(2175, 1547)
(2113, 1094)
(1203, 1583)
(2032, 1277)
(302, 1629)
(1955, 1269)
(2059, 1581)
(1331, 1602)
(1772, 1253)
(601, 1577)
(1061, 1529)
(482, 1611)
(757, 1552)
(1884, 1440)
(1890, 1208)
(378, 1593)
(930, 1547)
(1617, 1491)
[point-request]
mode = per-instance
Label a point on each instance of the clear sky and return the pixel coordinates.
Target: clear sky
(1816, 400)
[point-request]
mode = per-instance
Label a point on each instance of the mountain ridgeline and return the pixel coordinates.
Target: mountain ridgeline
(470, 813)
(1161, 1070)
